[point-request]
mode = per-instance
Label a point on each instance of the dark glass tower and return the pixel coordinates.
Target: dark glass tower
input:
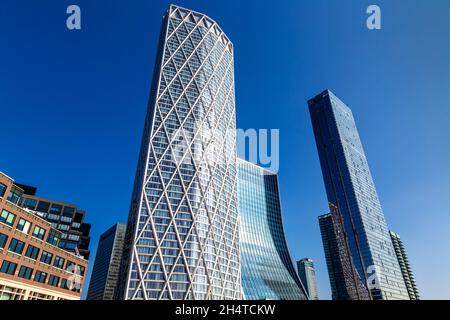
(349, 186)
(266, 265)
(105, 273)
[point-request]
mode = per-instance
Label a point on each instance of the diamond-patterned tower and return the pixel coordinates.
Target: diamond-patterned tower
(182, 238)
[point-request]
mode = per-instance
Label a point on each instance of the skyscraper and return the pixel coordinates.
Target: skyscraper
(105, 273)
(267, 269)
(182, 239)
(345, 282)
(403, 260)
(307, 274)
(350, 187)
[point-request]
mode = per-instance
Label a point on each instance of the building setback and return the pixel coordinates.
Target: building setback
(32, 266)
(266, 265)
(350, 187)
(307, 274)
(65, 217)
(403, 260)
(105, 273)
(182, 239)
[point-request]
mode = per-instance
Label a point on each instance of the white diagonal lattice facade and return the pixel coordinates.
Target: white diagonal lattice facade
(183, 234)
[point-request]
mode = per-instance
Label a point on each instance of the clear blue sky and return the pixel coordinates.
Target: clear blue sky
(72, 106)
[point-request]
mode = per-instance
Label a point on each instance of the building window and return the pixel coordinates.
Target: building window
(23, 225)
(7, 218)
(25, 272)
(59, 262)
(63, 227)
(40, 276)
(43, 206)
(2, 190)
(81, 270)
(68, 211)
(73, 237)
(14, 195)
(30, 203)
(64, 284)
(16, 246)
(38, 232)
(46, 257)
(56, 209)
(53, 237)
(8, 267)
(3, 239)
(53, 281)
(32, 252)
(70, 266)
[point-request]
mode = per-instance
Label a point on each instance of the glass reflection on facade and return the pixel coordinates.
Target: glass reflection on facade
(349, 186)
(182, 239)
(266, 266)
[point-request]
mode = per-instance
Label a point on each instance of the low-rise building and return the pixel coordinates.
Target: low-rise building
(32, 266)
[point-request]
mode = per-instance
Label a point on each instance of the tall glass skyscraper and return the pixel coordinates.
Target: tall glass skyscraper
(307, 274)
(350, 187)
(267, 269)
(182, 239)
(105, 273)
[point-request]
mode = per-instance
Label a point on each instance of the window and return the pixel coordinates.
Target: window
(59, 262)
(2, 190)
(56, 209)
(23, 225)
(32, 252)
(53, 237)
(30, 203)
(63, 227)
(46, 257)
(16, 246)
(7, 217)
(38, 232)
(40, 276)
(25, 272)
(80, 270)
(43, 206)
(70, 266)
(73, 237)
(64, 284)
(53, 281)
(3, 239)
(68, 211)
(66, 219)
(8, 267)
(14, 195)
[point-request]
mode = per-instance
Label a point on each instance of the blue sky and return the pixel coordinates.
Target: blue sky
(73, 106)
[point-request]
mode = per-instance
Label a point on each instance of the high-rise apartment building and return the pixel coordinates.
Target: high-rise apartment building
(266, 265)
(65, 217)
(403, 260)
(182, 239)
(32, 266)
(345, 282)
(307, 274)
(349, 186)
(105, 273)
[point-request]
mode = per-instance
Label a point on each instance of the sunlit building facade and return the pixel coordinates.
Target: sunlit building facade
(267, 269)
(307, 275)
(182, 239)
